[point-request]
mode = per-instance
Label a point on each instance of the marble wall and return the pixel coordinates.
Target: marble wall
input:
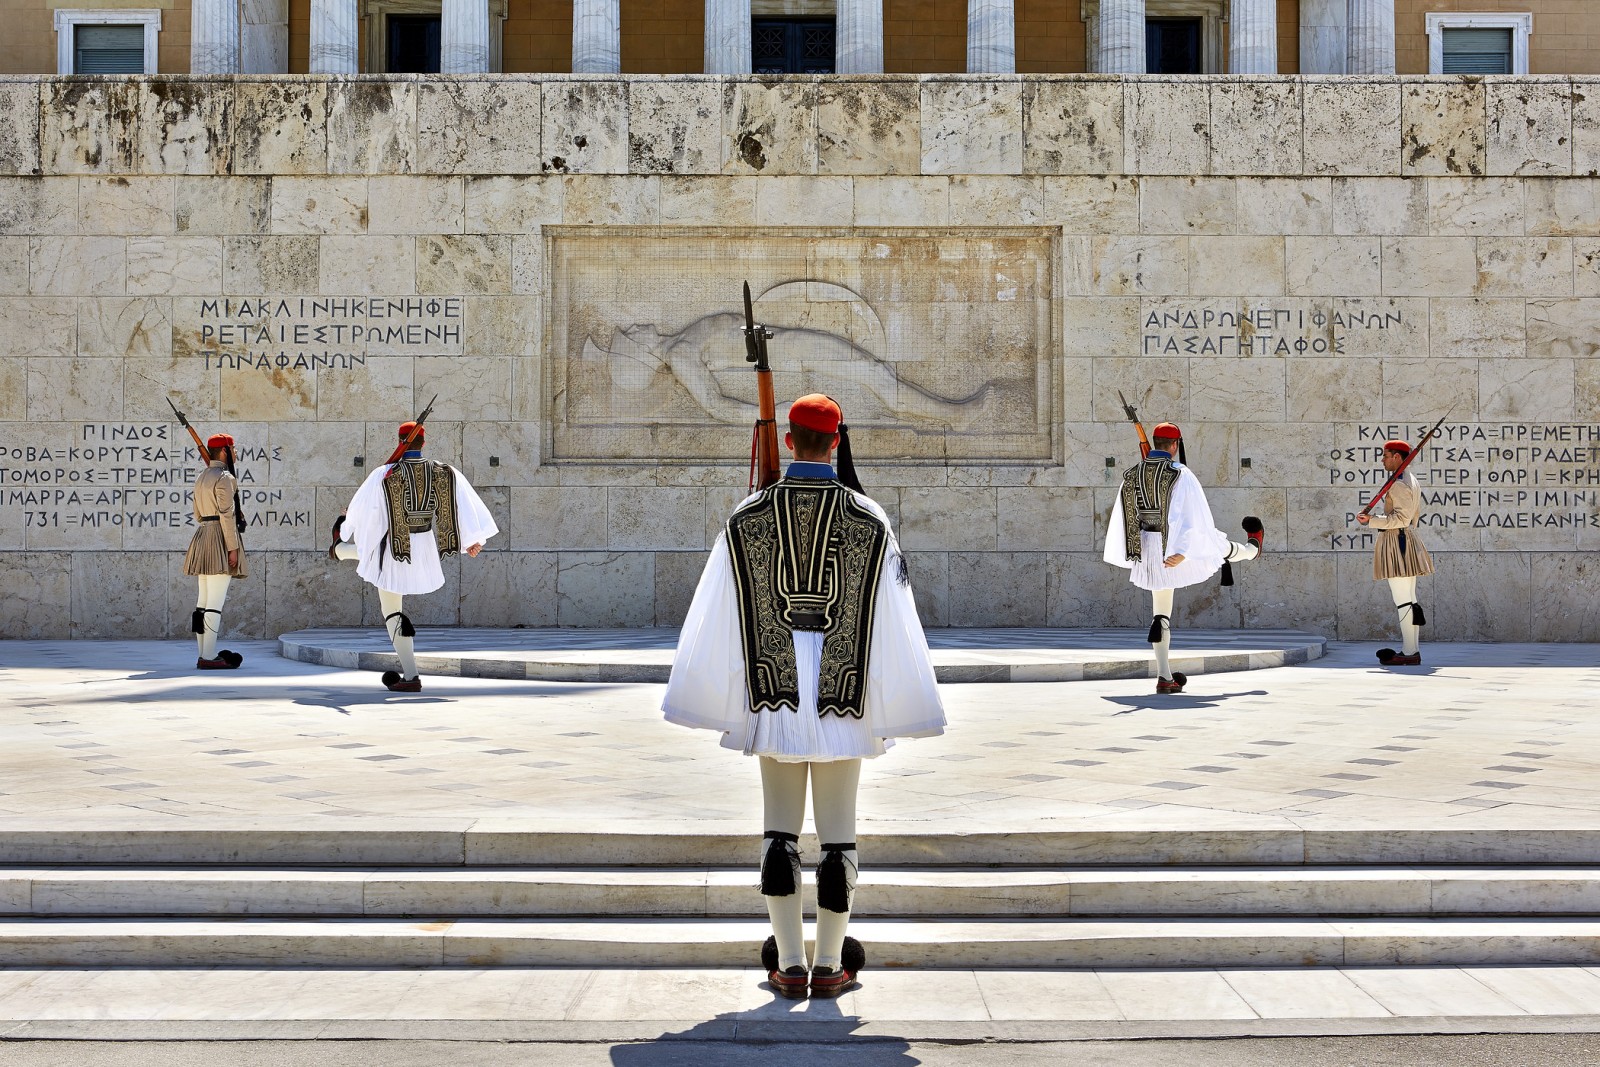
(1292, 269)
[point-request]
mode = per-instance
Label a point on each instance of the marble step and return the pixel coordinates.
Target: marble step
(965, 944)
(474, 842)
(730, 893)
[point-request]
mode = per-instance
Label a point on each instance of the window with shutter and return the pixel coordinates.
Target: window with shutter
(1477, 50)
(108, 49)
(792, 46)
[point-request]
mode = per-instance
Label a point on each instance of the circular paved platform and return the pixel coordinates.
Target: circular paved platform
(959, 655)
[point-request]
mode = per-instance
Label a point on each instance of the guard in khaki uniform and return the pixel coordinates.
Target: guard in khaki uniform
(216, 553)
(1398, 555)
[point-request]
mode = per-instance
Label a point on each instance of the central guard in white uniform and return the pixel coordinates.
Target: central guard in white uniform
(398, 527)
(803, 647)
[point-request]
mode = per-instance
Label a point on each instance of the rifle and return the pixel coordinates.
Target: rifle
(416, 431)
(764, 439)
(205, 457)
(1400, 470)
(1133, 417)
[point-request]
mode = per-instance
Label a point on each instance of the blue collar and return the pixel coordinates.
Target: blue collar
(1158, 453)
(414, 453)
(806, 469)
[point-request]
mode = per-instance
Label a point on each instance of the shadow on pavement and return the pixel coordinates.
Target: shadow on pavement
(742, 1038)
(1178, 701)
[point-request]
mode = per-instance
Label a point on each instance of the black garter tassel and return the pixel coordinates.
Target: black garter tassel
(1227, 573)
(780, 864)
(197, 621)
(1154, 635)
(406, 629)
(1417, 616)
(833, 880)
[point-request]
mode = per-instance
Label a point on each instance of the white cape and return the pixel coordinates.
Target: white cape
(707, 686)
(1191, 533)
(367, 521)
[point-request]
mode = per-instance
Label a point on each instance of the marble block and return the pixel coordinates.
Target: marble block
(611, 199)
(38, 595)
(1238, 390)
(1329, 266)
(121, 205)
(1157, 386)
(1243, 266)
(584, 127)
(1413, 387)
(1257, 127)
(1072, 126)
(505, 204)
(1330, 390)
(888, 201)
(549, 517)
(1138, 266)
(1189, 205)
(769, 126)
(1458, 584)
(869, 127)
(502, 588)
(464, 263)
(1082, 589)
(382, 389)
(372, 125)
(1569, 328)
(1566, 593)
(655, 518)
(13, 266)
(38, 327)
(997, 200)
(319, 205)
(115, 594)
(949, 518)
(1527, 389)
(1481, 328)
(675, 126)
(415, 204)
(708, 201)
(1166, 127)
(183, 127)
(677, 575)
(1487, 206)
(501, 326)
(1380, 206)
(280, 126)
(304, 589)
(1442, 127)
(78, 266)
(469, 389)
(222, 206)
(602, 589)
(272, 265)
(1090, 204)
(1525, 266)
(166, 266)
(31, 206)
(1429, 266)
(1045, 519)
(972, 126)
(479, 126)
(1529, 126)
(1586, 266)
(1586, 126)
(1352, 127)
(88, 127)
(19, 126)
(361, 264)
(1274, 207)
(806, 201)
(1562, 207)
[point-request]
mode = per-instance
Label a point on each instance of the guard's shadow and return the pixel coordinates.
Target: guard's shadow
(342, 700)
(1177, 701)
(826, 1038)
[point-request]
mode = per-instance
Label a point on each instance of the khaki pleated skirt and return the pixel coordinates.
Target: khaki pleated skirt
(208, 553)
(1389, 561)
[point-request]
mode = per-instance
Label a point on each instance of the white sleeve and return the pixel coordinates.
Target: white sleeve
(707, 685)
(1116, 550)
(367, 518)
(1191, 532)
(902, 698)
(472, 516)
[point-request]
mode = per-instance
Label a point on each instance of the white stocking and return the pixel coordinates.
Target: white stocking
(346, 550)
(404, 647)
(1404, 592)
(1161, 604)
(213, 594)
(783, 807)
(1241, 553)
(833, 803)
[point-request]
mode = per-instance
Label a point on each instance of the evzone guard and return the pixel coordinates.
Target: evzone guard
(802, 647)
(1398, 555)
(216, 552)
(408, 515)
(1162, 532)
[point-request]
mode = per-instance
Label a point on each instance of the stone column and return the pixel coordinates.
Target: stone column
(214, 37)
(858, 48)
(728, 37)
(1121, 37)
(464, 37)
(1253, 37)
(1371, 43)
(334, 48)
(991, 37)
(1322, 36)
(264, 37)
(597, 36)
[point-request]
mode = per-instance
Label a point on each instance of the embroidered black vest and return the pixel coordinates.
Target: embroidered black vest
(1146, 500)
(806, 556)
(421, 495)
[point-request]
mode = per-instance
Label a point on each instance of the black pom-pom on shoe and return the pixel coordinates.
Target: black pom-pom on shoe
(1254, 532)
(390, 677)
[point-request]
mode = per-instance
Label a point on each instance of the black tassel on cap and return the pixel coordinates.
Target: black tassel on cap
(1154, 635)
(1183, 455)
(833, 877)
(780, 865)
(847, 462)
(197, 621)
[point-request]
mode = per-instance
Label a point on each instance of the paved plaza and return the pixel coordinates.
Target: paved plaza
(100, 735)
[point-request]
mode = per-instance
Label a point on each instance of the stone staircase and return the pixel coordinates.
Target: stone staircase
(487, 896)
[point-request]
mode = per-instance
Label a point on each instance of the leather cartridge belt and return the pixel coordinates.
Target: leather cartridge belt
(808, 620)
(211, 518)
(1150, 520)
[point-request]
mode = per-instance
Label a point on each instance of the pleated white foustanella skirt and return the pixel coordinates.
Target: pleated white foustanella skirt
(800, 735)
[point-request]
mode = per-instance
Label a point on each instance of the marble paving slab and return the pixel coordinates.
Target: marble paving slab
(975, 654)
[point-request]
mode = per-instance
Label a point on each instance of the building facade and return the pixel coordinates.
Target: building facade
(1256, 37)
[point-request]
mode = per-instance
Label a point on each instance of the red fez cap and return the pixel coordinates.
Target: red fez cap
(407, 427)
(816, 412)
(1397, 446)
(1167, 431)
(219, 440)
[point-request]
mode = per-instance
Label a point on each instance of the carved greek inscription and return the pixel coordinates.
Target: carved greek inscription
(309, 333)
(1481, 476)
(1262, 331)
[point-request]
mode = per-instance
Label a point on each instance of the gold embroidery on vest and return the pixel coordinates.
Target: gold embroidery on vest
(1146, 501)
(421, 496)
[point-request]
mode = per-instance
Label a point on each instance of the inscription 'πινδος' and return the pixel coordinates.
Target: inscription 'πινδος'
(310, 333)
(1528, 480)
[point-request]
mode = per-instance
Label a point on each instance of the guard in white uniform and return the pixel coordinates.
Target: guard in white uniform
(406, 517)
(1162, 531)
(803, 647)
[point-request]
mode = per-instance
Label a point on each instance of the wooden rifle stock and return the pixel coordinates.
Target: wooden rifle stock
(1133, 417)
(1400, 470)
(764, 439)
(183, 420)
